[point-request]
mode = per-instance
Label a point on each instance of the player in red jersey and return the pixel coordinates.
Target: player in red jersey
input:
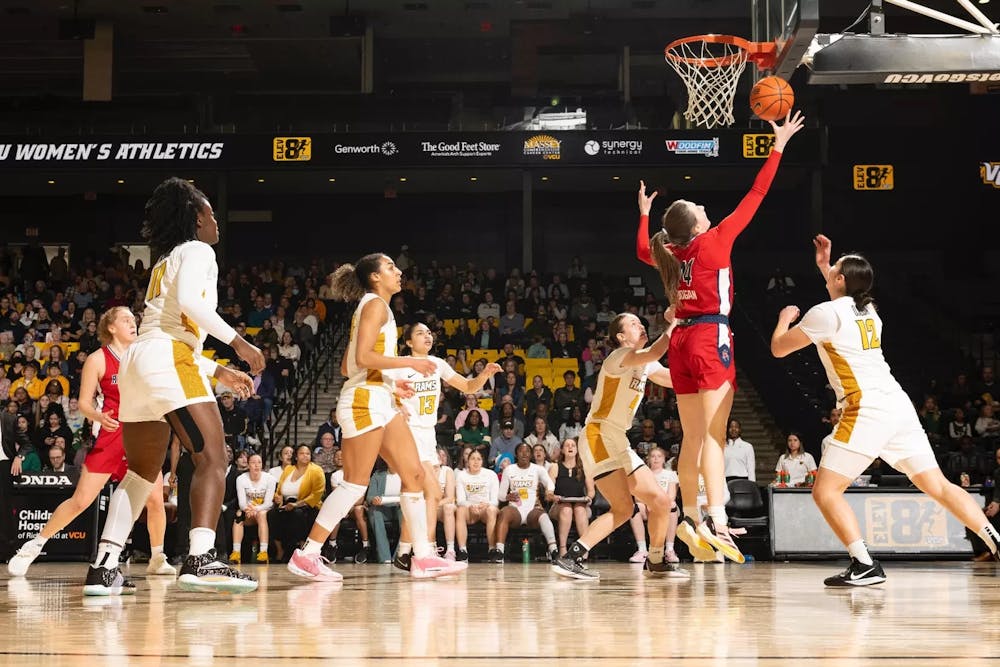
(116, 330)
(693, 259)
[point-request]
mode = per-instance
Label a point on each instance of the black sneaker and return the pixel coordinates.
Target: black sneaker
(495, 556)
(664, 569)
(329, 552)
(858, 574)
(401, 562)
(574, 569)
(362, 556)
(462, 554)
(553, 555)
(105, 581)
(207, 573)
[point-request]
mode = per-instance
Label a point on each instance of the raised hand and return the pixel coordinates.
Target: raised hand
(784, 132)
(645, 203)
(823, 247)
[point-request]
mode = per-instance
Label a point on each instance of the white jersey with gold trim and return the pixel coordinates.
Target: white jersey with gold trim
(849, 342)
(196, 287)
(385, 344)
(620, 389)
(423, 405)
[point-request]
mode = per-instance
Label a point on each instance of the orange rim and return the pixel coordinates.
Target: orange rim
(760, 53)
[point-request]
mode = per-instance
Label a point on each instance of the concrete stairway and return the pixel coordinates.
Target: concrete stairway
(325, 401)
(759, 428)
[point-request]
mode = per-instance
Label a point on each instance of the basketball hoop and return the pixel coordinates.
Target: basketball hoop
(711, 66)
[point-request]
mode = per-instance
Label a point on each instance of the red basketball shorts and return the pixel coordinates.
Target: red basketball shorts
(701, 358)
(108, 455)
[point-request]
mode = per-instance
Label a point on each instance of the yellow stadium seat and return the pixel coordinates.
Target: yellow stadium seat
(489, 355)
(486, 404)
(71, 348)
(560, 366)
(451, 326)
(253, 331)
(570, 334)
(533, 367)
(473, 325)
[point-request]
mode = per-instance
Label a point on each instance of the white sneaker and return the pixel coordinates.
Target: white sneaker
(22, 560)
(639, 556)
(312, 566)
(671, 557)
(158, 565)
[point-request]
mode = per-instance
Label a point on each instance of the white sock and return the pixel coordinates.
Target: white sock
(670, 546)
(262, 548)
(545, 524)
(338, 504)
(202, 541)
(333, 542)
(364, 543)
(718, 514)
(312, 547)
(414, 509)
(403, 548)
(641, 545)
(656, 555)
(126, 504)
(500, 546)
(989, 535)
(451, 546)
(155, 551)
(858, 550)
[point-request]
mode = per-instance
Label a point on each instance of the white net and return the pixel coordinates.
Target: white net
(710, 72)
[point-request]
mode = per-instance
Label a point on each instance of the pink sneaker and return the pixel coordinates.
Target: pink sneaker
(449, 554)
(639, 557)
(312, 566)
(433, 566)
(671, 557)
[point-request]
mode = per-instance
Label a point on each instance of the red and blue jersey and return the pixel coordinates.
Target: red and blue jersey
(706, 282)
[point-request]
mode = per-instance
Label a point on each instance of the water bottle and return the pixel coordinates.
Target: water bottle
(526, 550)
(964, 480)
(748, 558)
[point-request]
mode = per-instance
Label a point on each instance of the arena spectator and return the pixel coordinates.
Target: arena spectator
(538, 393)
(255, 498)
(958, 427)
(542, 435)
(267, 335)
(57, 460)
(330, 426)
(474, 433)
(487, 389)
(30, 382)
(476, 494)
(987, 425)
(487, 337)
(646, 439)
(568, 396)
(510, 386)
(285, 458)
(298, 498)
(739, 455)
(930, 419)
(505, 411)
(511, 324)
(488, 307)
(382, 499)
(966, 466)
(570, 429)
(235, 422)
(472, 405)
(540, 456)
(537, 349)
(573, 493)
(506, 443)
(796, 461)
(985, 389)
(323, 456)
(959, 393)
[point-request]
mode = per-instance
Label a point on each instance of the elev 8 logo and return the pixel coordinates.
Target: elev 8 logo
(292, 149)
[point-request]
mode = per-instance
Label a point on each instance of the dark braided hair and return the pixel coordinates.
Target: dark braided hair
(171, 215)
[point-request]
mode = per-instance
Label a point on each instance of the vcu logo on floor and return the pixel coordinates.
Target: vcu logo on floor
(873, 177)
(292, 149)
(990, 173)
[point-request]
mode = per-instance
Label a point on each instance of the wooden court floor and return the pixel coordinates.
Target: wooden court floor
(755, 614)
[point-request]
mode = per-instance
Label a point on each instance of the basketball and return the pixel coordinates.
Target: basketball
(771, 98)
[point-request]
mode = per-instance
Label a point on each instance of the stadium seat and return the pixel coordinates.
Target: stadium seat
(451, 326)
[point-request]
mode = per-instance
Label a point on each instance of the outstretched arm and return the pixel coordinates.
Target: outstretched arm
(642, 250)
(785, 341)
(738, 220)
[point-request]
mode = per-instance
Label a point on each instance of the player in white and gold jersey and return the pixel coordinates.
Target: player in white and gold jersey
(421, 411)
(164, 386)
(372, 426)
(878, 419)
(607, 454)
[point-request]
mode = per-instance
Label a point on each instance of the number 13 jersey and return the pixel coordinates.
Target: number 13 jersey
(423, 405)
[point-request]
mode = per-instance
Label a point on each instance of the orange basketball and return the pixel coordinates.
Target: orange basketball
(771, 98)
